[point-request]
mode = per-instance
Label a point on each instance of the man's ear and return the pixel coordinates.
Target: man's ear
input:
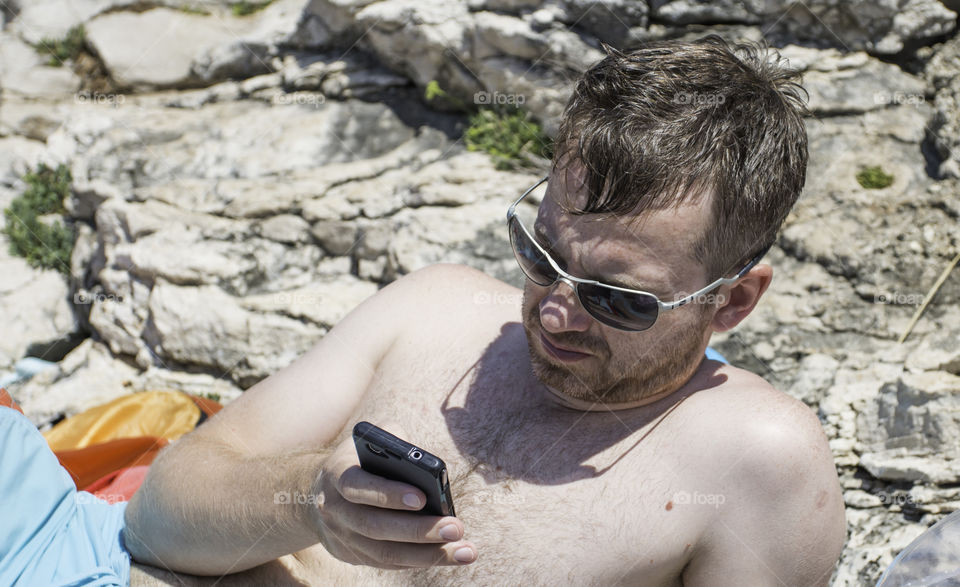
(742, 297)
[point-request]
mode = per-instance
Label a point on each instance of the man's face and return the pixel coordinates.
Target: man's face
(651, 252)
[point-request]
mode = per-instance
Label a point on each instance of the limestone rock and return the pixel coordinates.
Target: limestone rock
(610, 20)
(18, 155)
(28, 119)
(855, 83)
(37, 20)
(222, 335)
(22, 71)
(687, 11)
(915, 413)
(937, 352)
(285, 228)
(86, 377)
(894, 466)
(322, 302)
(35, 305)
(945, 129)
(163, 48)
(878, 27)
(815, 375)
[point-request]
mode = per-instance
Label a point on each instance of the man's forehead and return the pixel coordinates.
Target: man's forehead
(660, 240)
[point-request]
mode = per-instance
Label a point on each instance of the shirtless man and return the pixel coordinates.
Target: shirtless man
(588, 439)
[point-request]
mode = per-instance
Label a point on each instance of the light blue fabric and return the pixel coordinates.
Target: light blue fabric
(716, 356)
(50, 533)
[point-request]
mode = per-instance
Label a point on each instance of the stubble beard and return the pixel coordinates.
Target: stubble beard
(665, 365)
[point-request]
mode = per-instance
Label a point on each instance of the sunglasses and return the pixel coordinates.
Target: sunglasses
(618, 307)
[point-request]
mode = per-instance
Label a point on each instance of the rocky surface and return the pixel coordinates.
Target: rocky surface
(241, 182)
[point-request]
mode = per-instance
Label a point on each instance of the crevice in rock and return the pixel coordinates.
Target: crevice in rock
(55, 350)
(409, 106)
(931, 155)
(137, 7)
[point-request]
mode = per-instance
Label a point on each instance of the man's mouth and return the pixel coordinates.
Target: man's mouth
(560, 353)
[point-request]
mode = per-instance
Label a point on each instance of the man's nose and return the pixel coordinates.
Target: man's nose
(560, 310)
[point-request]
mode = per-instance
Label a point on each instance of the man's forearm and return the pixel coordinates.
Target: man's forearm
(205, 509)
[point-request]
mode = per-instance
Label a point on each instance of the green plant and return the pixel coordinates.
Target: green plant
(874, 178)
(433, 91)
(42, 244)
(191, 9)
(244, 8)
(436, 96)
(509, 135)
(211, 395)
(61, 50)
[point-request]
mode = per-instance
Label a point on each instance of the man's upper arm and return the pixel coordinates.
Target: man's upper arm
(306, 404)
(786, 523)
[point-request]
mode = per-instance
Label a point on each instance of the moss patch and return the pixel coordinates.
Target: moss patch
(245, 8)
(191, 9)
(874, 178)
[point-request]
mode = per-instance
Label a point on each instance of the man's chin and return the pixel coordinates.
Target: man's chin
(563, 380)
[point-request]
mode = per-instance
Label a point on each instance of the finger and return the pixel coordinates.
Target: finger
(386, 554)
(381, 524)
(361, 487)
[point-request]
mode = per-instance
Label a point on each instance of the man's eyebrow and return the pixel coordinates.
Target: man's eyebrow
(656, 287)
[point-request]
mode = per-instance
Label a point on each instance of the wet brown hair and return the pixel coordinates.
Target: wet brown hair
(665, 123)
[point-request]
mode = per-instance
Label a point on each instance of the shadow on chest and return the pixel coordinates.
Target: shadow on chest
(504, 427)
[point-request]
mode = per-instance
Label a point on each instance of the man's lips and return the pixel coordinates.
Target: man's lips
(560, 353)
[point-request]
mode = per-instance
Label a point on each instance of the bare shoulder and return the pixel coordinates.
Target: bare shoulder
(762, 416)
(448, 280)
(784, 520)
(770, 437)
(448, 292)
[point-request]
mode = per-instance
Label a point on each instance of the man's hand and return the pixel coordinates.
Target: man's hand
(365, 519)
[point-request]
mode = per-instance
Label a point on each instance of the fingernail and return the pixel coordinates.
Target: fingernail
(450, 532)
(411, 500)
(463, 555)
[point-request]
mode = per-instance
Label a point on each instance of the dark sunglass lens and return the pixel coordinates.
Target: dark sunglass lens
(626, 311)
(532, 262)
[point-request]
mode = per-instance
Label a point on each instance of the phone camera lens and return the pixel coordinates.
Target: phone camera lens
(416, 454)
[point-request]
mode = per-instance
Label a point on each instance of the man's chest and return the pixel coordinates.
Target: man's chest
(543, 491)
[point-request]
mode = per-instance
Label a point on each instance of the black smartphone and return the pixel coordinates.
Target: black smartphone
(383, 454)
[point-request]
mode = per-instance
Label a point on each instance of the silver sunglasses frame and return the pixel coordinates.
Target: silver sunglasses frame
(573, 281)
